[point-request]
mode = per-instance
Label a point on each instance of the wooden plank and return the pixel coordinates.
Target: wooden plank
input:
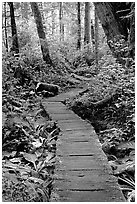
(82, 170)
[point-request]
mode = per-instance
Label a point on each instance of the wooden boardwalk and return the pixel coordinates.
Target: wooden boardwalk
(82, 172)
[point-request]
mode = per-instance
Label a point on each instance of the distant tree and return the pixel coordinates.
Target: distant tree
(61, 21)
(53, 21)
(41, 33)
(87, 23)
(96, 39)
(132, 31)
(5, 27)
(92, 33)
(79, 25)
(15, 44)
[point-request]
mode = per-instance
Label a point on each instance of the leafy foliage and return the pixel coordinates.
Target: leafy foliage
(109, 104)
(29, 147)
(28, 133)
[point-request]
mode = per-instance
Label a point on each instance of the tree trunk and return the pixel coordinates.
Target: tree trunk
(87, 23)
(96, 40)
(60, 17)
(5, 29)
(107, 18)
(110, 16)
(53, 22)
(41, 33)
(15, 45)
(79, 26)
(41, 10)
(60, 21)
(92, 33)
(132, 32)
(63, 29)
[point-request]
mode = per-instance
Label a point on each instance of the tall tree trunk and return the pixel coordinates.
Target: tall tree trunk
(87, 23)
(63, 29)
(41, 10)
(41, 33)
(92, 33)
(79, 26)
(60, 21)
(107, 18)
(53, 21)
(132, 32)
(96, 40)
(15, 44)
(63, 26)
(111, 20)
(60, 17)
(5, 28)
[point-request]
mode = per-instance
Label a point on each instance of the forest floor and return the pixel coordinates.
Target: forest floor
(106, 100)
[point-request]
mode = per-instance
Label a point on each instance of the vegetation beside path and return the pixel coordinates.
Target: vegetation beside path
(108, 104)
(69, 45)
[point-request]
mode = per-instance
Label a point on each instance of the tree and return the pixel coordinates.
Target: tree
(79, 26)
(53, 21)
(92, 33)
(111, 17)
(61, 21)
(87, 23)
(41, 33)
(96, 39)
(40, 4)
(132, 31)
(15, 44)
(5, 27)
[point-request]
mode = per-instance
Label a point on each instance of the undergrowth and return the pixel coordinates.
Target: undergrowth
(109, 105)
(113, 120)
(28, 138)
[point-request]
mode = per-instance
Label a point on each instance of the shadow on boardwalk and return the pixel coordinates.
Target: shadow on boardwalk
(82, 172)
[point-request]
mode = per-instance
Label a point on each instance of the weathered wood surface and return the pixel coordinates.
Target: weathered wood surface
(82, 172)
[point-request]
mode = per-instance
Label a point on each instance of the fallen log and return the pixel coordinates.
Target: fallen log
(81, 78)
(104, 102)
(48, 88)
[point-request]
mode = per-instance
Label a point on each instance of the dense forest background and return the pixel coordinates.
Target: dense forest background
(66, 45)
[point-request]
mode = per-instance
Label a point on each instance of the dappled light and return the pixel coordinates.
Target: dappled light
(68, 101)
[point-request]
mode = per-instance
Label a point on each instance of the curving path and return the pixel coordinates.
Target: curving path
(82, 171)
